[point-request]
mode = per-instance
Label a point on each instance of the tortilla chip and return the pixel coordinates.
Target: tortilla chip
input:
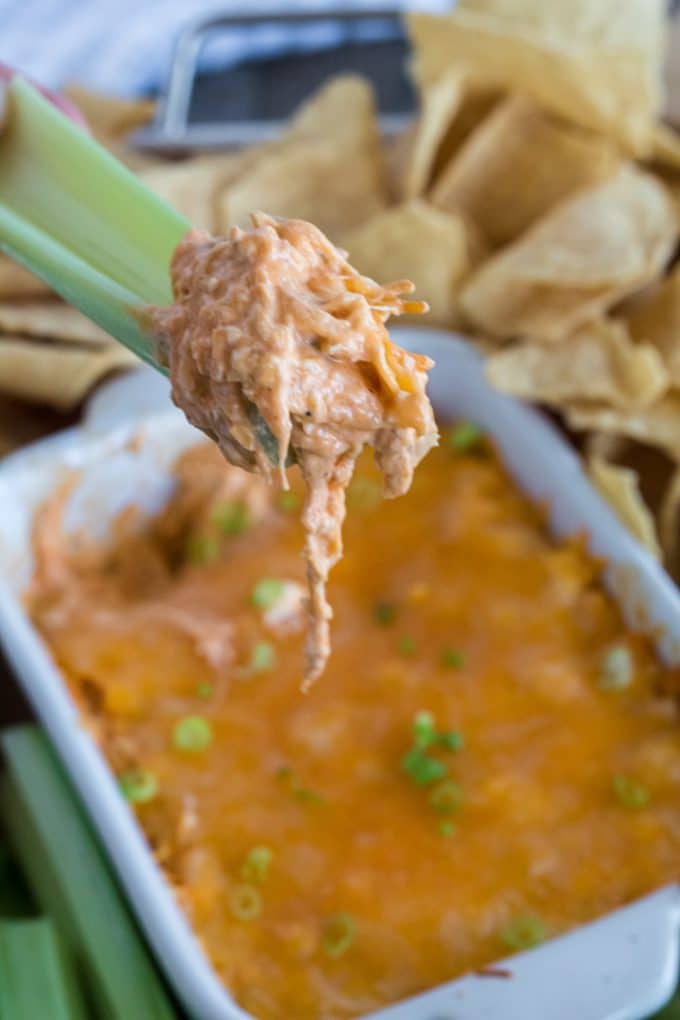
(192, 187)
(344, 107)
(417, 242)
(328, 167)
(669, 524)
(17, 282)
(599, 362)
(655, 319)
(597, 65)
(575, 262)
(439, 103)
(110, 118)
(666, 150)
(619, 486)
(311, 180)
(50, 321)
(477, 103)
(658, 425)
(517, 165)
(56, 374)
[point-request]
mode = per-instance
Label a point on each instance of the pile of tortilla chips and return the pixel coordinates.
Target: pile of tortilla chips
(535, 202)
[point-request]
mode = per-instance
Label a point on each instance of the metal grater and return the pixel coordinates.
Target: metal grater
(172, 130)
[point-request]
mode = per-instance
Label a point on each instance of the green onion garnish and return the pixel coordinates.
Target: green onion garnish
(421, 768)
(616, 671)
(231, 517)
(364, 494)
(245, 902)
(446, 798)
(202, 549)
(451, 658)
(452, 740)
(262, 657)
(447, 828)
(407, 646)
(424, 730)
(338, 935)
(288, 501)
(267, 592)
(307, 796)
(464, 437)
(192, 734)
(301, 793)
(139, 786)
(631, 793)
(523, 933)
(205, 690)
(256, 865)
(385, 613)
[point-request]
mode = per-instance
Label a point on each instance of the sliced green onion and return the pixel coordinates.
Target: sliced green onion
(245, 902)
(256, 865)
(631, 793)
(288, 501)
(424, 730)
(364, 494)
(616, 671)
(447, 828)
(262, 657)
(338, 935)
(451, 658)
(523, 933)
(452, 740)
(407, 646)
(139, 786)
(464, 437)
(385, 613)
(192, 734)
(37, 977)
(446, 798)
(71, 880)
(421, 768)
(267, 592)
(202, 549)
(205, 690)
(231, 517)
(307, 796)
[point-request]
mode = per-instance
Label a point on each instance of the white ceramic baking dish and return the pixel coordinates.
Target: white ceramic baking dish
(621, 967)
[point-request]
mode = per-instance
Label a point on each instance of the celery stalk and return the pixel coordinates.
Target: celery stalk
(36, 975)
(72, 882)
(15, 898)
(79, 219)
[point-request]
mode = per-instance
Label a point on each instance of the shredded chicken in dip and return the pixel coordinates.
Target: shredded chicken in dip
(278, 350)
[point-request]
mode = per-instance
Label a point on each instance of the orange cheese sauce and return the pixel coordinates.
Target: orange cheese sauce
(452, 600)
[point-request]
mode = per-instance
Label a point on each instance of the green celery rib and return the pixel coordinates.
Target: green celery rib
(71, 881)
(15, 898)
(59, 179)
(81, 221)
(37, 981)
(671, 1010)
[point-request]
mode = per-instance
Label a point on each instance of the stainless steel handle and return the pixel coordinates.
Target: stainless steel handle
(171, 128)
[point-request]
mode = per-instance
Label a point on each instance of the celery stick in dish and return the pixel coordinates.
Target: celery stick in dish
(36, 975)
(276, 346)
(72, 882)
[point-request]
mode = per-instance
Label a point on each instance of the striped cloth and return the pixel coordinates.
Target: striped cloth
(124, 46)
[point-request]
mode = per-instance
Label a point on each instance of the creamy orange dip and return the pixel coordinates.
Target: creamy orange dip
(276, 347)
(491, 759)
